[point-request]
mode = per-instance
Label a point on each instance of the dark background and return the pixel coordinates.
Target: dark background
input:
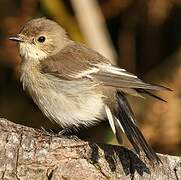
(146, 35)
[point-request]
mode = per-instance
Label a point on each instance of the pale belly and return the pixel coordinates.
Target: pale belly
(68, 103)
(68, 111)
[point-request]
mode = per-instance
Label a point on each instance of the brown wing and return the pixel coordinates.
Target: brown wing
(116, 77)
(73, 62)
(77, 61)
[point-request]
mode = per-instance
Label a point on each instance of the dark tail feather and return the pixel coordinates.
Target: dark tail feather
(159, 87)
(127, 120)
(143, 91)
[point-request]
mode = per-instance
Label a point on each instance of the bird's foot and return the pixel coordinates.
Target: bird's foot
(64, 133)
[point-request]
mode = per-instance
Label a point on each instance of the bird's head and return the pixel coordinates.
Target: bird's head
(40, 38)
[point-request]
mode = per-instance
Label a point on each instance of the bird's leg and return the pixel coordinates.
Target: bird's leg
(48, 132)
(67, 132)
(63, 132)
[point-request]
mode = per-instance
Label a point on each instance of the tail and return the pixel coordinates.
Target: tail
(128, 123)
(143, 91)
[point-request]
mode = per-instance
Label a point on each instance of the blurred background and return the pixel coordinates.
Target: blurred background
(142, 36)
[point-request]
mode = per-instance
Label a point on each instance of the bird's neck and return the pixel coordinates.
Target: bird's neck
(29, 73)
(31, 52)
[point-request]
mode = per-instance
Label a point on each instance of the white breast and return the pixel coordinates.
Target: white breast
(66, 102)
(69, 110)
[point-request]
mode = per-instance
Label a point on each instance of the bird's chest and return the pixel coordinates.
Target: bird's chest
(67, 103)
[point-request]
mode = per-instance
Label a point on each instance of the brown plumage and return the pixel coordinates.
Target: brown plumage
(75, 85)
(76, 59)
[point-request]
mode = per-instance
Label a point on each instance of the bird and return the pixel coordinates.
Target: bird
(74, 85)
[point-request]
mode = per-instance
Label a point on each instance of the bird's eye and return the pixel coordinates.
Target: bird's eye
(41, 39)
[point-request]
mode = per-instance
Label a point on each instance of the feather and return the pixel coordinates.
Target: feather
(127, 120)
(76, 61)
(124, 81)
(115, 125)
(110, 119)
(143, 91)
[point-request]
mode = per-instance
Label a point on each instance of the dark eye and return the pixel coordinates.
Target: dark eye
(41, 39)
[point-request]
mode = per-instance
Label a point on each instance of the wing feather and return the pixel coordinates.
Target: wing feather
(76, 61)
(113, 76)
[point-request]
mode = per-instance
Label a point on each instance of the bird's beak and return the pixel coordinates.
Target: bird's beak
(17, 38)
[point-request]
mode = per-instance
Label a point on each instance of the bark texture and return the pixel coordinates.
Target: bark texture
(26, 153)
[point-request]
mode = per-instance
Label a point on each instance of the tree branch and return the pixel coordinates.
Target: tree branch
(26, 153)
